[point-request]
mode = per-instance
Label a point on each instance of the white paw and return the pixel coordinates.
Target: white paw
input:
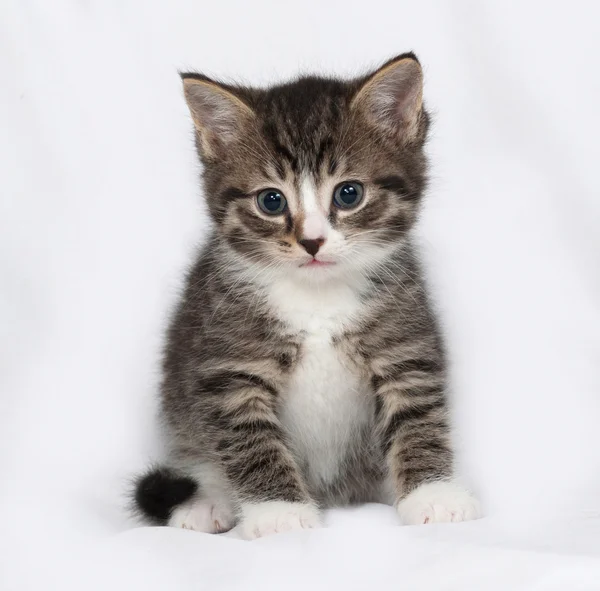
(438, 502)
(271, 517)
(203, 516)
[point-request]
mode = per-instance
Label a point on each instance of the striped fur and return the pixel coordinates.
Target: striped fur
(287, 389)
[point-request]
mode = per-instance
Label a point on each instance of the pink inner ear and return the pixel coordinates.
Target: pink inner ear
(396, 94)
(408, 100)
(215, 111)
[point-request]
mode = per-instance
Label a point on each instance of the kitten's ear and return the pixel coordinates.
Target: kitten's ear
(392, 97)
(219, 115)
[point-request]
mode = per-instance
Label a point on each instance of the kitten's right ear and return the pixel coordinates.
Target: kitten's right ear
(219, 115)
(392, 97)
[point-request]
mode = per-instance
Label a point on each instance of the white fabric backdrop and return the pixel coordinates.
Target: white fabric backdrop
(100, 210)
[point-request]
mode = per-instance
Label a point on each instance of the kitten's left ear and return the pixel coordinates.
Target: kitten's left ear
(392, 97)
(220, 115)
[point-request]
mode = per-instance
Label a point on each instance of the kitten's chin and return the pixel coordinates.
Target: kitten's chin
(315, 263)
(316, 273)
(322, 272)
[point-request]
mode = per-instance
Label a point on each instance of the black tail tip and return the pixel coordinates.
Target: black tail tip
(158, 491)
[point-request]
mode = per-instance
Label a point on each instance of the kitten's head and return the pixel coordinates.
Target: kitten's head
(317, 178)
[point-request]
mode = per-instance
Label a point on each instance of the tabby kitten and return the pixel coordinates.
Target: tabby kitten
(303, 367)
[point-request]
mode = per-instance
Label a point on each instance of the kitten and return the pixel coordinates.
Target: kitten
(303, 368)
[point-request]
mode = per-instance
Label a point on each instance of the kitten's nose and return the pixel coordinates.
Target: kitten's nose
(312, 246)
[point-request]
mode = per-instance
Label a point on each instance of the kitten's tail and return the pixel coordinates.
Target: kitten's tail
(159, 490)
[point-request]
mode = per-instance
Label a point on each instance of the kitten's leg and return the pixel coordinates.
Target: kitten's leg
(203, 515)
(414, 433)
(252, 454)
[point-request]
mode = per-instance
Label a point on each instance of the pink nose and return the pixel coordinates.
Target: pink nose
(312, 246)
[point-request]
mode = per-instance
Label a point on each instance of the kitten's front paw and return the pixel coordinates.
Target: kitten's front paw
(203, 516)
(271, 517)
(438, 502)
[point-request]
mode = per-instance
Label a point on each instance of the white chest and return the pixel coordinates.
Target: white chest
(327, 400)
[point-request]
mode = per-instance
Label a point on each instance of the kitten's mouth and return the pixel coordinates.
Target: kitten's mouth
(316, 263)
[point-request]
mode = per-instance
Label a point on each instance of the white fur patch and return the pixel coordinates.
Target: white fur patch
(315, 216)
(263, 519)
(438, 502)
(309, 198)
(327, 401)
(203, 516)
(315, 226)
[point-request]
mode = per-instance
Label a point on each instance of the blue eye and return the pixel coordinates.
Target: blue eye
(271, 202)
(348, 195)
